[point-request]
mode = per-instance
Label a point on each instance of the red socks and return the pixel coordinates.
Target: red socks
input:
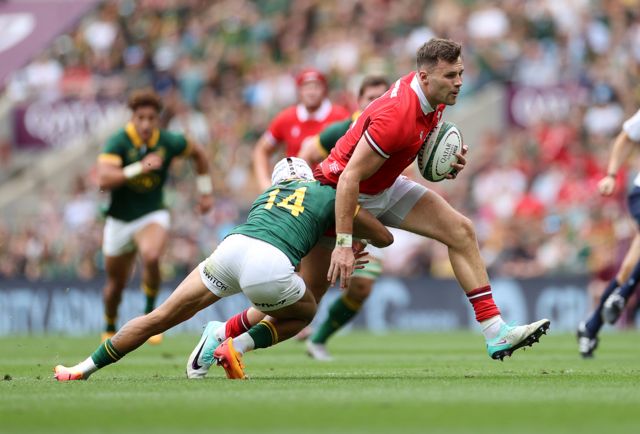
(482, 301)
(237, 324)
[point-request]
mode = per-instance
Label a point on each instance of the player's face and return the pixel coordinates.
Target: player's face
(442, 83)
(371, 93)
(145, 119)
(311, 94)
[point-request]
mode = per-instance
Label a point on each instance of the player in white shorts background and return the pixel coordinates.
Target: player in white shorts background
(620, 288)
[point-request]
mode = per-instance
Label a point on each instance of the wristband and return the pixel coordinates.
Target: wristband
(132, 170)
(204, 184)
(344, 240)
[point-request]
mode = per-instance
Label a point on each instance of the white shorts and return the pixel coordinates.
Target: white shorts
(392, 205)
(118, 235)
(261, 271)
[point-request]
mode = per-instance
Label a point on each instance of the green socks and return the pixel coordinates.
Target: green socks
(105, 355)
(110, 323)
(151, 294)
(264, 334)
(340, 313)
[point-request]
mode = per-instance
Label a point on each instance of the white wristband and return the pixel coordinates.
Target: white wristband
(132, 170)
(204, 184)
(344, 240)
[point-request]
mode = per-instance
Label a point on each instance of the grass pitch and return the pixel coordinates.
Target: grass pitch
(396, 383)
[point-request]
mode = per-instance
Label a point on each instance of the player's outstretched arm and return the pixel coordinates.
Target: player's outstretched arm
(620, 152)
(367, 226)
(261, 155)
(203, 181)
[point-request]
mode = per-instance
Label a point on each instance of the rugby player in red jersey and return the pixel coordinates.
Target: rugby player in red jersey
(295, 123)
(366, 167)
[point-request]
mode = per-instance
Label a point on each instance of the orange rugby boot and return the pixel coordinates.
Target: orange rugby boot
(227, 357)
(62, 373)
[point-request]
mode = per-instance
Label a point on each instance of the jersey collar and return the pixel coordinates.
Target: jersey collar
(130, 129)
(319, 115)
(424, 104)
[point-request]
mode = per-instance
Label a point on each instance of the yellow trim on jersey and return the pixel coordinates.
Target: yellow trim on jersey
(272, 329)
(110, 158)
(356, 114)
(319, 147)
(130, 129)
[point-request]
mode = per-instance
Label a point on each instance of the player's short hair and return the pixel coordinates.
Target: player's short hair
(438, 49)
(144, 98)
(372, 81)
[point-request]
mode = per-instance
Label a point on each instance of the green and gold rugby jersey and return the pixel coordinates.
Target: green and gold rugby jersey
(291, 216)
(142, 194)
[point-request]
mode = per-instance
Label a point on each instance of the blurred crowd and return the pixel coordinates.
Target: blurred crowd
(225, 68)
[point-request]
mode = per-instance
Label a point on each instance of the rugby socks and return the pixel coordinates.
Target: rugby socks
(341, 312)
(627, 288)
(152, 294)
(104, 355)
(261, 335)
(235, 326)
(110, 323)
(594, 323)
(487, 313)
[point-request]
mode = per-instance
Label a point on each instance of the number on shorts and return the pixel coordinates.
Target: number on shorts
(297, 197)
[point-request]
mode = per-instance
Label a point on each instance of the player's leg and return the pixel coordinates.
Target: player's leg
(278, 326)
(344, 308)
(629, 276)
(190, 297)
(118, 269)
(433, 217)
(151, 240)
(272, 286)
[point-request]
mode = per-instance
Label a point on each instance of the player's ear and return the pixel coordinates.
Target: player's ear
(423, 76)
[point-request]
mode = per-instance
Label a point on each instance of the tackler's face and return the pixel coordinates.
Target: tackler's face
(442, 82)
(145, 119)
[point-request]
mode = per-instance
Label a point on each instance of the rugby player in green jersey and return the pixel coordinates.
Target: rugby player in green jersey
(258, 258)
(134, 165)
(344, 308)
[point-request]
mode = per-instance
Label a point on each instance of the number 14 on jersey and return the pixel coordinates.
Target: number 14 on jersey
(297, 197)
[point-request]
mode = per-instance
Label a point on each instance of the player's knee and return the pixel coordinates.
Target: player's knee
(464, 233)
(150, 258)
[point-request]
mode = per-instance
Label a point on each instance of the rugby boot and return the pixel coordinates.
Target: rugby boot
(510, 338)
(227, 357)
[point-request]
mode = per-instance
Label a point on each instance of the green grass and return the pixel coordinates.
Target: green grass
(398, 383)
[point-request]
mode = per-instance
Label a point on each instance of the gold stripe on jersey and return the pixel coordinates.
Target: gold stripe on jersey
(110, 158)
(131, 131)
(187, 149)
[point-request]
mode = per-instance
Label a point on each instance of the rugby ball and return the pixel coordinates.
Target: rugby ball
(438, 152)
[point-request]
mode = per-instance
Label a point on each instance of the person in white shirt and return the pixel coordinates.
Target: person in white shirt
(621, 287)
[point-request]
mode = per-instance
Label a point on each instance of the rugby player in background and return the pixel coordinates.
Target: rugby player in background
(133, 166)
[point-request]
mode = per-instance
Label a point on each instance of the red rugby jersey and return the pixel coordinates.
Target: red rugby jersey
(395, 126)
(294, 124)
